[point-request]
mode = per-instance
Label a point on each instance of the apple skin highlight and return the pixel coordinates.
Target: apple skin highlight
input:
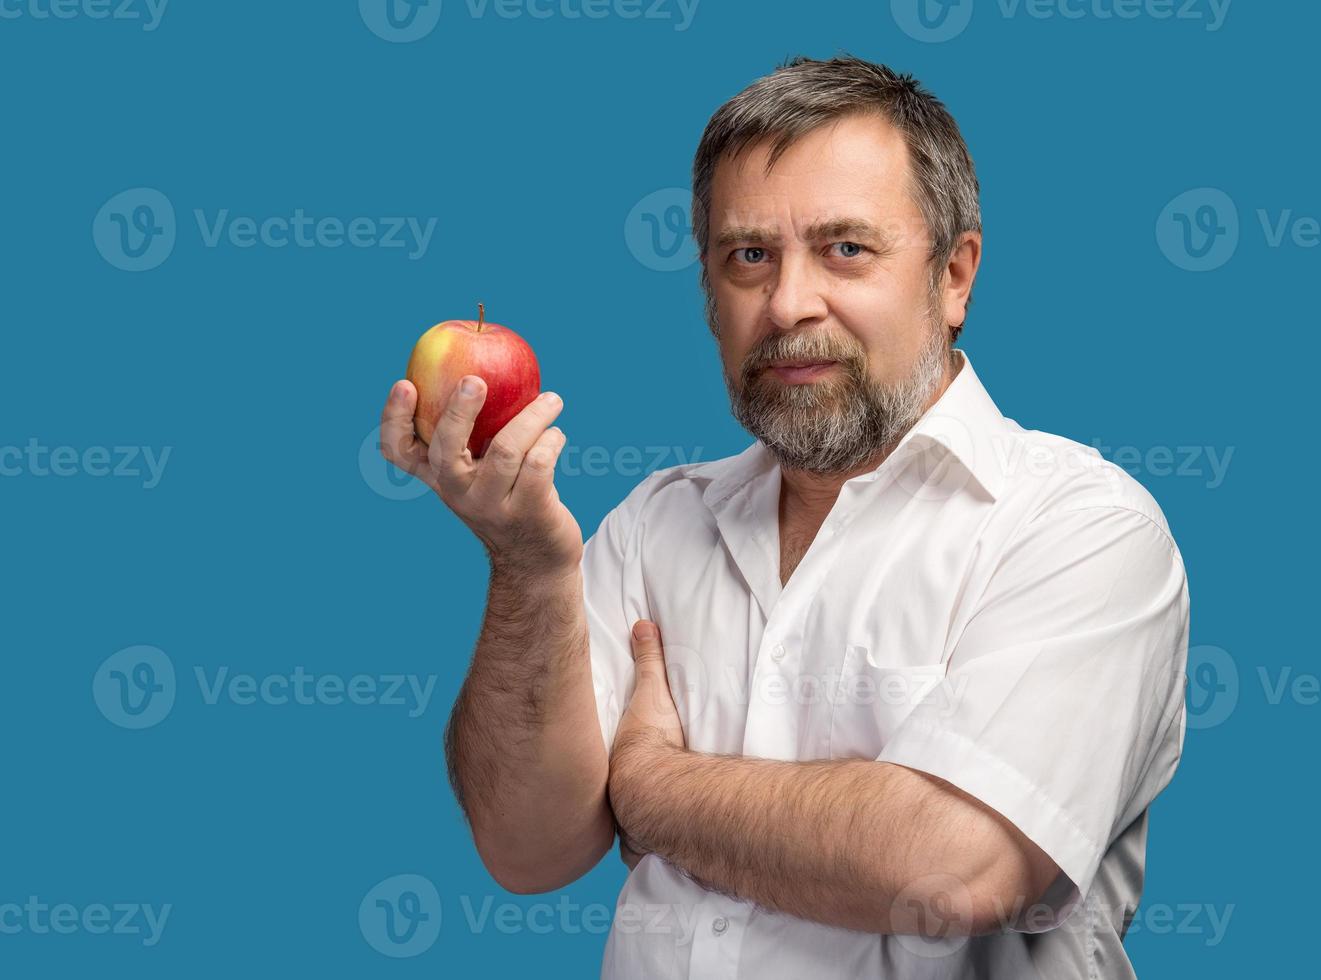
(496, 354)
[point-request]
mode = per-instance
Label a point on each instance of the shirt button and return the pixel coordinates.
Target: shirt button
(777, 652)
(719, 924)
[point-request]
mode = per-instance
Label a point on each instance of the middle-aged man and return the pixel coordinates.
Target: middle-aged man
(919, 671)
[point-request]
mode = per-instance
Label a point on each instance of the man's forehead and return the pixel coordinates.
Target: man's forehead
(776, 219)
(849, 177)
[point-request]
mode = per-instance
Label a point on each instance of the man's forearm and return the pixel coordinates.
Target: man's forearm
(524, 745)
(851, 843)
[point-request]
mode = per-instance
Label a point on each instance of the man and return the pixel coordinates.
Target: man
(919, 671)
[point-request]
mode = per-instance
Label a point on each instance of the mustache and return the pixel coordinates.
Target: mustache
(811, 347)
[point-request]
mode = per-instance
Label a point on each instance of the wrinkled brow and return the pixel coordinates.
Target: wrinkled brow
(829, 228)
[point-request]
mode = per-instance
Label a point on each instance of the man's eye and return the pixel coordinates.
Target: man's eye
(752, 256)
(852, 249)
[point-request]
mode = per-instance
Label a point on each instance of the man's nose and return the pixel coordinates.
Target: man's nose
(797, 295)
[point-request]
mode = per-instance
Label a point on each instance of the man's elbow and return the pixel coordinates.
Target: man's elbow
(540, 870)
(983, 898)
(1007, 873)
(1011, 888)
(534, 882)
(540, 879)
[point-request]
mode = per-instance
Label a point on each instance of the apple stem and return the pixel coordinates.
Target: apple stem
(481, 315)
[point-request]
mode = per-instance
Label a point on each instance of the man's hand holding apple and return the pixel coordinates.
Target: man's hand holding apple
(507, 497)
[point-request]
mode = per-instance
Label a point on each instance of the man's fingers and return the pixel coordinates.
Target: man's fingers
(399, 443)
(449, 442)
(537, 475)
(500, 464)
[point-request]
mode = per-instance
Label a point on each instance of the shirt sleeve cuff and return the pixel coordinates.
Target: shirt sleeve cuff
(962, 762)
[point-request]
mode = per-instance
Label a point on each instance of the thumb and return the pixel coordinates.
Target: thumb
(648, 657)
(652, 697)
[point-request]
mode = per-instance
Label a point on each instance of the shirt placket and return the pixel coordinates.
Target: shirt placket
(718, 938)
(780, 694)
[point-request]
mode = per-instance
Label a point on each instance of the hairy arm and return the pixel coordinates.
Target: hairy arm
(860, 844)
(523, 743)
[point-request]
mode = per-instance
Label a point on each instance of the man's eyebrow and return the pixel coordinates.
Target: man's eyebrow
(828, 228)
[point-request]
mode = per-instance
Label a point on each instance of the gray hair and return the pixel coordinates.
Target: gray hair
(804, 94)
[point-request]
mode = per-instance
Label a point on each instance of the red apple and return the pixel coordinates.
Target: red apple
(500, 357)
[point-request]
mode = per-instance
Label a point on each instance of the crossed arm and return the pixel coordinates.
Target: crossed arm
(855, 843)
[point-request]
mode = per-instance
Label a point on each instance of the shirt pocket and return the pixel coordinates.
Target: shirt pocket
(873, 698)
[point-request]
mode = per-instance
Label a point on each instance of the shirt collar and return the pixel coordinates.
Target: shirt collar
(963, 423)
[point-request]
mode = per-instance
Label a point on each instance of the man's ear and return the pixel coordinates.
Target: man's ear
(959, 274)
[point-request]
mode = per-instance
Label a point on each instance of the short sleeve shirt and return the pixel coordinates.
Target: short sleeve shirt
(999, 607)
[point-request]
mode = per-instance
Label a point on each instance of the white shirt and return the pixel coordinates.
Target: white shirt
(1002, 608)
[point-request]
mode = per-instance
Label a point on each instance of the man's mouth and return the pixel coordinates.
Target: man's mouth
(799, 371)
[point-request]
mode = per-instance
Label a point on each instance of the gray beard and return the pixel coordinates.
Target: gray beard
(834, 425)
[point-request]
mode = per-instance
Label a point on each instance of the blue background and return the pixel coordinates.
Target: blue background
(273, 541)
